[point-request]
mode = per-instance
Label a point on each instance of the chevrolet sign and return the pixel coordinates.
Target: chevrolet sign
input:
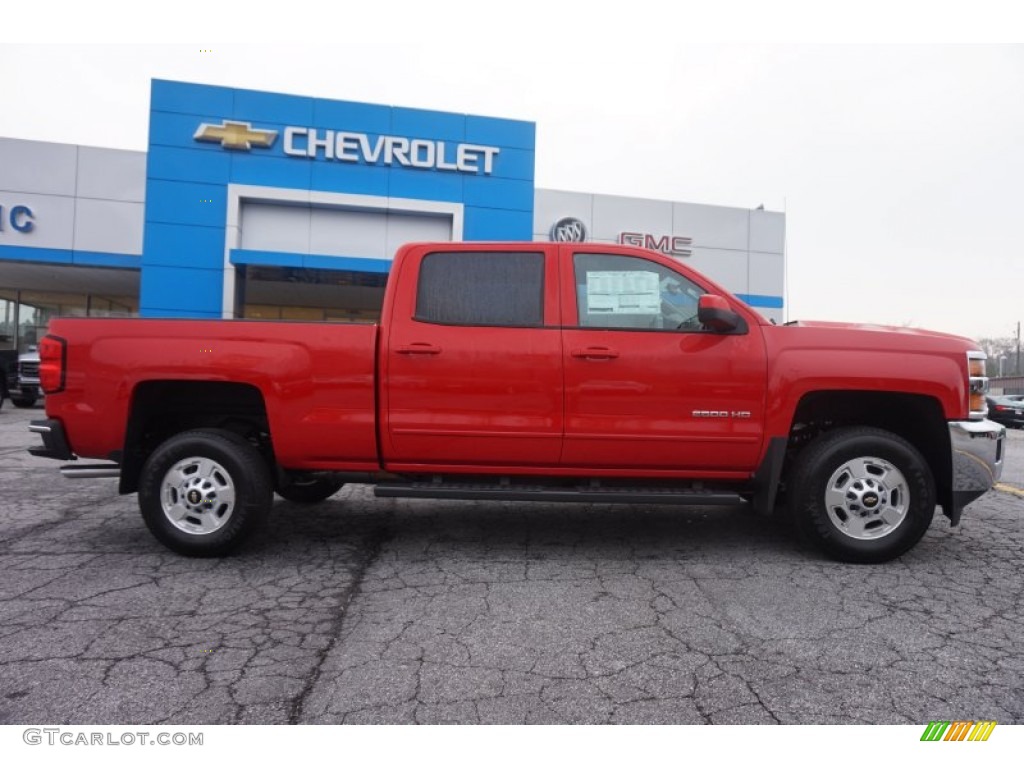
(352, 147)
(389, 150)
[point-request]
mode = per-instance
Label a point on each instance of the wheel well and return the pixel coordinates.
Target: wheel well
(160, 409)
(918, 419)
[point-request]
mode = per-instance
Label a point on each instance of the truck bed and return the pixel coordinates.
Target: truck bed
(317, 380)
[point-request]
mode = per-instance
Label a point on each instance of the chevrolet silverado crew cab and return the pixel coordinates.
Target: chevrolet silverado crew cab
(528, 371)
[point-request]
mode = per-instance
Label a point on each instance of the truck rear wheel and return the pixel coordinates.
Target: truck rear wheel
(862, 495)
(24, 401)
(201, 493)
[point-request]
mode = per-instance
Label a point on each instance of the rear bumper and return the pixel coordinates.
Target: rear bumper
(55, 442)
(977, 451)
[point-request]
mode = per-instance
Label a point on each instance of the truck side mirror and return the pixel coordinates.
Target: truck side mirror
(714, 313)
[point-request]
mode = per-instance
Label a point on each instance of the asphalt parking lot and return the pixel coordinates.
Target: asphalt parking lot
(364, 610)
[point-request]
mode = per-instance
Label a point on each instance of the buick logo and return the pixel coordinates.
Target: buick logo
(568, 230)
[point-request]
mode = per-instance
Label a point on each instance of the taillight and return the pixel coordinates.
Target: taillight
(977, 384)
(52, 354)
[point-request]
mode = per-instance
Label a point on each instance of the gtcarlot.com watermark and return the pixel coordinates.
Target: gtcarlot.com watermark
(69, 737)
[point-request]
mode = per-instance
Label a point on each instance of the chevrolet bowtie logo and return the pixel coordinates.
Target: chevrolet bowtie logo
(232, 135)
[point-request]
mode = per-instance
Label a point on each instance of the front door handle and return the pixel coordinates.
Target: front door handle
(595, 353)
(418, 348)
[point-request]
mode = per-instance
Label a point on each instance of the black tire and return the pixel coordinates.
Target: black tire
(233, 464)
(309, 491)
(854, 466)
(24, 402)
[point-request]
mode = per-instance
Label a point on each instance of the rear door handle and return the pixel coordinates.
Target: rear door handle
(595, 353)
(418, 348)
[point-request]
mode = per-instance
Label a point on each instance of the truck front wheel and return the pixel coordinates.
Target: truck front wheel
(202, 492)
(862, 495)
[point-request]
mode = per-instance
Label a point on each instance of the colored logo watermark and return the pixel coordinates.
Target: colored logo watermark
(958, 730)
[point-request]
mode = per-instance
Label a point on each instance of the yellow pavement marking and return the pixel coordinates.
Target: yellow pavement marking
(1010, 489)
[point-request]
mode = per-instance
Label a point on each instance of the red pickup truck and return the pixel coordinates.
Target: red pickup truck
(529, 371)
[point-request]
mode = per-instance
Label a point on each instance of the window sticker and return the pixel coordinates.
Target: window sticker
(623, 293)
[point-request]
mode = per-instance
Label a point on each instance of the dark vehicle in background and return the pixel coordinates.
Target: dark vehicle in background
(1008, 411)
(21, 378)
(8, 372)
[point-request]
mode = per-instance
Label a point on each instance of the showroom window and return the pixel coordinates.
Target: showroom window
(312, 295)
(24, 315)
(490, 289)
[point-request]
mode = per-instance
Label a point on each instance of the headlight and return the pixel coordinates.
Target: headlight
(977, 384)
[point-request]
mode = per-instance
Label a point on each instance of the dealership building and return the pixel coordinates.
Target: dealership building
(261, 205)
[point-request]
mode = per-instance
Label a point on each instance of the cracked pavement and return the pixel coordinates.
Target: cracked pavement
(364, 610)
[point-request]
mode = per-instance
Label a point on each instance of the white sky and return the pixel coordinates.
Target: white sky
(900, 167)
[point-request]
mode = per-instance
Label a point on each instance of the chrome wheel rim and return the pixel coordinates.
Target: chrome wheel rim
(867, 498)
(197, 496)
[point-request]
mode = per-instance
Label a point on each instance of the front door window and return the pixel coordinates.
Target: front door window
(628, 292)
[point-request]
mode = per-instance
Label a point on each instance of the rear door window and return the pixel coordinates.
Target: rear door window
(481, 288)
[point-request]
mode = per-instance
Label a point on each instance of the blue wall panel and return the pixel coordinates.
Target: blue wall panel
(173, 164)
(310, 261)
(288, 172)
(426, 185)
(98, 259)
(179, 202)
(68, 256)
(502, 133)
(174, 245)
(180, 314)
(353, 179)
(47, 255)
(172, 96)
(255, 106)
(168, 289)
(496, 224)
(352, 263)
(514, 164)
(345, 115)
(270, 258)
(760, 300)
(499, 193)
(426, 124)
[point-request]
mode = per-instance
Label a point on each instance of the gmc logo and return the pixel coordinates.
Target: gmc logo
(670, 245)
